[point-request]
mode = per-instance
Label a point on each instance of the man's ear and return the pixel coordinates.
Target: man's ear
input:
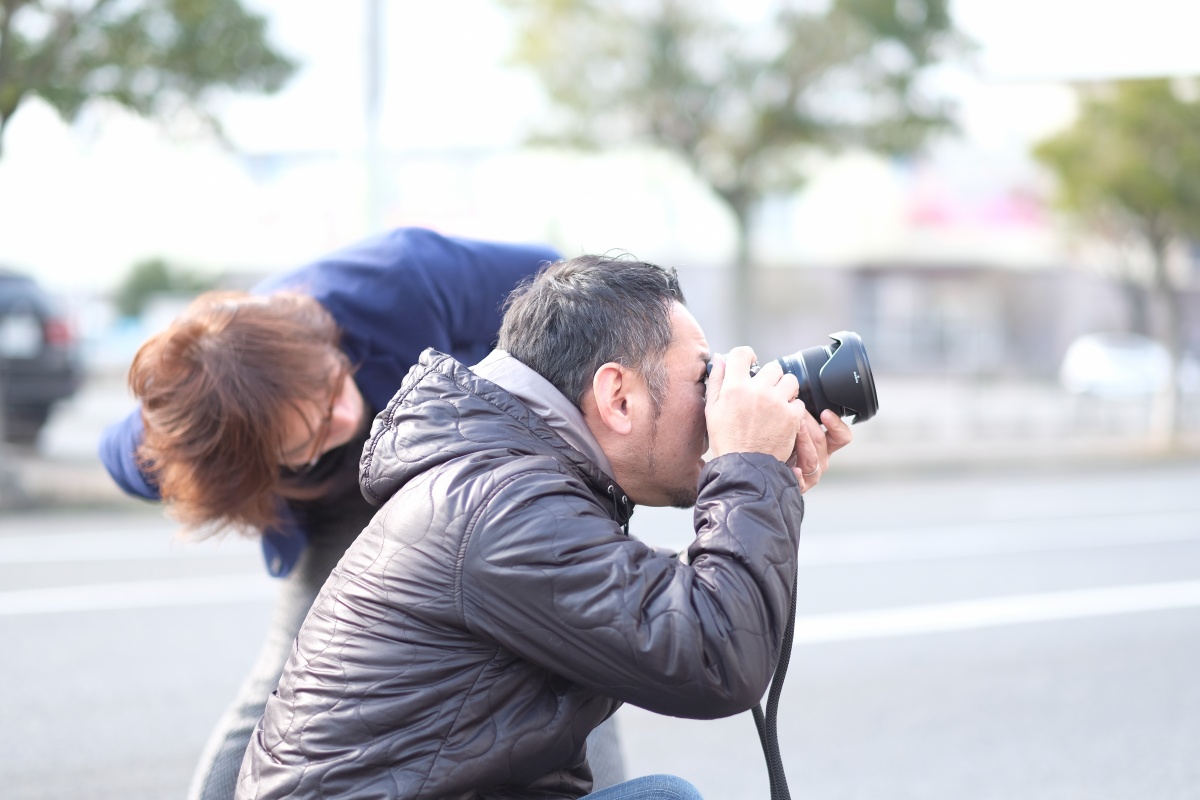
(611, 388)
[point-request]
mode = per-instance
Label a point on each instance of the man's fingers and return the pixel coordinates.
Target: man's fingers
(787, 387)
(716, 379)
(783, 384)
(808, 434)
(837, 432)
(737, 363)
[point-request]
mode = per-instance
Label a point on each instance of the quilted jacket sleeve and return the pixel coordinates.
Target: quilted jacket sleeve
(548, 575)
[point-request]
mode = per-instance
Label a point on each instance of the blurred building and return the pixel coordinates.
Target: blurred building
(951, 265)
(954, 265)
(966, 319)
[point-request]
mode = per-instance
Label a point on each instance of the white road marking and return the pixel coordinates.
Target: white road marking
(995, 611)
(86, 547)
(138, 594)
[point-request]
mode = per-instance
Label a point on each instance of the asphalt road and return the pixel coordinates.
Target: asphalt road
(1028, 634)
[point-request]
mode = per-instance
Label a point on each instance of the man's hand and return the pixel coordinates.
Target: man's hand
(762, 414)
(751, 414)
(810, 459)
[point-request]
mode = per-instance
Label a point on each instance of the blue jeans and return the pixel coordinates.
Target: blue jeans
(649, 787)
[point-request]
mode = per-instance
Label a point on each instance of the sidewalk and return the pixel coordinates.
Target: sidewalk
(945, 425)
(923, 425)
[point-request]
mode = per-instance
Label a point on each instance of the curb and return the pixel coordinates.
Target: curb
(42, 483)
(65, 483)
(1009, 454)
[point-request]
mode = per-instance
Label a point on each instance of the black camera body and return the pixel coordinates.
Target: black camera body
(836, 376)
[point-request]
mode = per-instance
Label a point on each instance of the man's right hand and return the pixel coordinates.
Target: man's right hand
(752, 414)
(762, 414)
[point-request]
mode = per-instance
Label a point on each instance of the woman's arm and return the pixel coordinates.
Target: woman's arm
(118, 453)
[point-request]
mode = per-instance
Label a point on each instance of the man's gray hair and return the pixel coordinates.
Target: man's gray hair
(574, 316)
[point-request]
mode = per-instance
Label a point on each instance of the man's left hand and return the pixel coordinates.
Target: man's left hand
(815, 444)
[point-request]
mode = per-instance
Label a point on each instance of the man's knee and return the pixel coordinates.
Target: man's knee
(650, 787)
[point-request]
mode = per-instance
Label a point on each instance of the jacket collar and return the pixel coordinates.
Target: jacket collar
(553, 407)
(544, 400)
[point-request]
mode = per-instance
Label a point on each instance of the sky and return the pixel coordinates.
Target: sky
(78, 205)
(446, 84)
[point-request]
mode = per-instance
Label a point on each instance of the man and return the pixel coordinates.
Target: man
(255, 408)
(495, 611)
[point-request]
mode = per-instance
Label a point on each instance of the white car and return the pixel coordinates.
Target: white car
(1121, 365)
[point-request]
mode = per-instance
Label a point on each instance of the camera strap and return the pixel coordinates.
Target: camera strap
(768, 732)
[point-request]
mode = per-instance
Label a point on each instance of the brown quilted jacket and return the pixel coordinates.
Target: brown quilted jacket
(494, 611)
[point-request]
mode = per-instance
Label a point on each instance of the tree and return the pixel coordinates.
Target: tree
(1130, 168)
(154, 57)
(741, 104)
(155, 276)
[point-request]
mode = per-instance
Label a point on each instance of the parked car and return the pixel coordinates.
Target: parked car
(1118, 365)
(39, 356)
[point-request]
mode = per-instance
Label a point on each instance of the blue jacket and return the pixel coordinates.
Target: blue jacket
(393, 296)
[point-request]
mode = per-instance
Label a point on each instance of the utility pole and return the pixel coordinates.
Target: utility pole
(373, 153)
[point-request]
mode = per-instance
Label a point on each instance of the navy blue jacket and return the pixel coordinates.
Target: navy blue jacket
(392, 296)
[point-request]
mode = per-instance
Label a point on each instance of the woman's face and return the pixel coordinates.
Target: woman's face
(314, 428)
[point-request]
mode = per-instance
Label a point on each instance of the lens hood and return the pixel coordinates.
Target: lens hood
(836, 376)
(846, 379)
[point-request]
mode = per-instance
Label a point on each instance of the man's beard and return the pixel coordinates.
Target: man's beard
(682, 498)
(678, 497)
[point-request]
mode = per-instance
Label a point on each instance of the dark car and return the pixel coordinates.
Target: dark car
(39, 357)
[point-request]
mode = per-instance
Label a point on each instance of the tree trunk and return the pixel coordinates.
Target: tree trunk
(1137, 302)
(1172, 310)
(743, 295)
(742, 275)
(1167, 417)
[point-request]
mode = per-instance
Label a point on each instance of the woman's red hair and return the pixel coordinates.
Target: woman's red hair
(214, 387)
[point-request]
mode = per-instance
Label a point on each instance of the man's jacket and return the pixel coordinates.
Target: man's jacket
(494, 611)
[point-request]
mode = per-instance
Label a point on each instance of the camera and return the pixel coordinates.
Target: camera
(836, 376)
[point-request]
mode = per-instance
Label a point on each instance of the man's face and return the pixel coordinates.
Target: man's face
(677, 438)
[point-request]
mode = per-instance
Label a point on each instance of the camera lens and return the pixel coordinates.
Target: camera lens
(836, 376)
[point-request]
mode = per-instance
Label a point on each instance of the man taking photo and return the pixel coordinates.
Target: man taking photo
(496, 610)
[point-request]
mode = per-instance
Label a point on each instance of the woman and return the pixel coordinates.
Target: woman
(255, 407)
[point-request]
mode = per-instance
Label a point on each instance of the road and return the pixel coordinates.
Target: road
(1027, 634)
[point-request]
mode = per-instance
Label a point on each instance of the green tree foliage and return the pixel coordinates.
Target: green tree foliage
(1130, 167)
(154, 57)
(155, 276)
(741, 103)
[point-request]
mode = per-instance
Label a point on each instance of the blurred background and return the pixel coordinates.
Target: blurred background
(1003, 199)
